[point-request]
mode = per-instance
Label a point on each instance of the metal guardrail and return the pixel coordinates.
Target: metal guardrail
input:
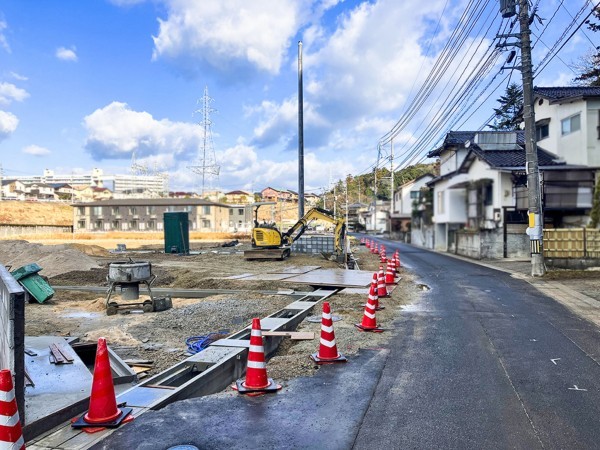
(12, 333)
(572, 243)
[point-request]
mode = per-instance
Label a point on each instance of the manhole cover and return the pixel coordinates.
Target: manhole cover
(317, 319)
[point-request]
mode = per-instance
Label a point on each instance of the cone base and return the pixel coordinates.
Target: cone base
(370, 329)
(339, 359)
(271, 387)
(81, 422)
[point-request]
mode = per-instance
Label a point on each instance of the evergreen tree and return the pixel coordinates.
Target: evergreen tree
(588, 67)
(510, 113)
(595, 213)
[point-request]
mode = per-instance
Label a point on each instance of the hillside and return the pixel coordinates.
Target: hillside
(35, 213)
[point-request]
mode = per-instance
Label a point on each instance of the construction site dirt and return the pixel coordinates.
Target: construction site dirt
(161, 337)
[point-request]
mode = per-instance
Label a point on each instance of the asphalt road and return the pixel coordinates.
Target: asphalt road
(483, 361)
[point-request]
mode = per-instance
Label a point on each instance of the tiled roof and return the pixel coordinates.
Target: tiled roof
(564, 93)
(514, 158)
(460, 137)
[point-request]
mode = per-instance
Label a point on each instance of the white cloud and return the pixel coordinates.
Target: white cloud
(66, 54)
(245, 166)
(3, 41)
(116, 131)
(19, 77)
(9, 93)
(229, 36)
(8, 124)
(36, 150)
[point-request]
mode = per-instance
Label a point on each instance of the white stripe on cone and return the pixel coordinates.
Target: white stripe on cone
(327, 329)
(12, 445)
(257, 349)
(7, 396)
(329, 344)
(369, 315)
(326, 315)
(256, 365)
(256, 333)
(9, 421)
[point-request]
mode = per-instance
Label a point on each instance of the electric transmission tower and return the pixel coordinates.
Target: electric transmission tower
(206, 163)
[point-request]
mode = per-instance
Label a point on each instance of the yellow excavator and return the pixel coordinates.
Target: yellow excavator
(268, 242)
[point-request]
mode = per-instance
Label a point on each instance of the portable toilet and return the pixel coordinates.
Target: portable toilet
(177, 232)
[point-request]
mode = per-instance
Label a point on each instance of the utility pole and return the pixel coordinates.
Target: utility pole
(300, 136)
(535, 231)
(346, 201)
(392, 175)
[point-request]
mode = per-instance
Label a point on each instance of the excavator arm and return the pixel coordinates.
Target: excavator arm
(294, 233)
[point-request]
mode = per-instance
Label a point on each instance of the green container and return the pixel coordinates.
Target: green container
(177, 232)
(28, 277)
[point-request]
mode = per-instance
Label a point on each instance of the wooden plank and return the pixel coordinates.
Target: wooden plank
(66, 351)
(295, 335)
(140, 369)
(138, 362)
(56, 356)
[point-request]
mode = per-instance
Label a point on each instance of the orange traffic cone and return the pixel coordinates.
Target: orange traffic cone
(382, 291)
(373, 294)
(103, 411)
(390, 276)
(376, 249)
(11, 434)
(367, 243)
(328, 352)
(398, 265)
(256, 372)
(369, 323)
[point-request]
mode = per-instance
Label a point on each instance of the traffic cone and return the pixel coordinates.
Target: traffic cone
(398, 265)
(103, 410)
(390, 276)
(376, 249)
(256, 371)
(373, 294)
(328, 352)
(11, 434)
(382, 291)
(367, 243)
(369, 323)
(383, 258)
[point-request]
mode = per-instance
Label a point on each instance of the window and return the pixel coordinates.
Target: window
(81, 210)
(150, 210)
(542, 131)
(206, 223)
(440, 202)
(570, 124)
(98, 225)
(115, 210)
(151, 224)
(116, 224)
(81, 224)
(241, 211)
(231, 211)
(414, 195)
(97, 210)
(206, 210)
(132, 210)
(133, 225)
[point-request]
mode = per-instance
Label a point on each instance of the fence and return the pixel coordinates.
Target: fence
(572, 243)
(12, 333)
(19, 230)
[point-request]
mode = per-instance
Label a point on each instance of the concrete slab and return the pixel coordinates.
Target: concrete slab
(268, 277)
(296, 269)
(334, 277)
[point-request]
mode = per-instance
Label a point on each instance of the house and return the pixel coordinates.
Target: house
(270, 194)
(63, 191)
(147, 215)
(568, 123)
(13, 190)
(92, 193)
(239, 197)
(240, 218)
(376, 217)
(406, 199)
(39, 191)
(311, 200)
(480, 198)
(356, 216)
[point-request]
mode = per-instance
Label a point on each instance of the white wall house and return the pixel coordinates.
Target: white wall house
(568, 123)
(405, 198)
(480, 198)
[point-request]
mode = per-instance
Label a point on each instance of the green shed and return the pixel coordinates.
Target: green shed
(177, 232)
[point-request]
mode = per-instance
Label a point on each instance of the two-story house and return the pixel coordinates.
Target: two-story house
(480, 199)
(406, 198)
(239, 197)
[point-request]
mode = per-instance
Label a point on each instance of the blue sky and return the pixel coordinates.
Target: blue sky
(84, 84)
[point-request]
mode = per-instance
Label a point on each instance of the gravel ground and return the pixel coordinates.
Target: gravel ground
(161, 337)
